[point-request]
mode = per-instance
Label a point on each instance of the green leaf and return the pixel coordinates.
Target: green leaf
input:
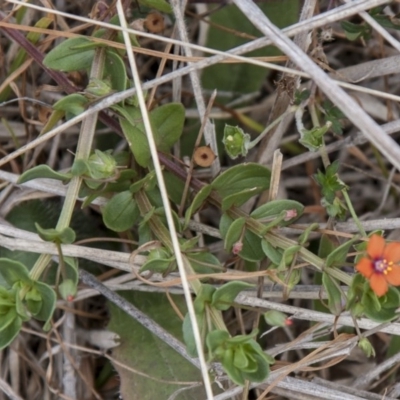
(240, 360)
(114, 69)
(197, 202)
(13, 271)
(67, 289)
(330, 182)
(381, 316)
(155, 358)
(303, 238)
(71, 55)
(188, 336)
(331, 286)
(234, 373)
(49, 300)
(216, 339)
(33, 301)
(262, 371)
(274, 209)
(334, 115)
(365, 345)
(275, 318)
(369, 299)
(387, 21)
(9, 333)
(249, 177)
(42, 171)
(167, 121)
(391, 299)
(224, 296)
(236, 142)
(160, 265)
(71, 269)
(274, 254)
(74, 104)
(121, 212)
(287, 256)
(137, 141)
(355, 31)
(203, 262)
(160, 5)
(251, 250)
(300, 96)
(337, 209)
(339, 255)
(313, 139)
(6, 319)
(79, 167)
(232, 351)
(175, 187)
(66, 235)
(237, 199)
(204, 297)
(234, 233)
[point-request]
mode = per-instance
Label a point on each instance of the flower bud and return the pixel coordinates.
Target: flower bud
(365, 345)
(277, 318)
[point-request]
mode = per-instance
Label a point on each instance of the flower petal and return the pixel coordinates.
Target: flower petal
(376, 246)
(378, 284)
(365, 267)
(392, 252)
(393, 276)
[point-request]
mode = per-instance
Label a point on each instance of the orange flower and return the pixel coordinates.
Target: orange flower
(380, 266)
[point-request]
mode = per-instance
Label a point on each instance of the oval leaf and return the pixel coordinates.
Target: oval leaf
(49, 299)
(66, 235)
(114, 68)
(121, 212)
(203, 262)
(167, 122)
(13, 271)
(250, 177)
(224, 296)
(42, 171)
(235, 232)
(197, 202)
(137, 141)
(273, 209)
(9, 334)
(71, 55)
(74, 103)
(339, 255)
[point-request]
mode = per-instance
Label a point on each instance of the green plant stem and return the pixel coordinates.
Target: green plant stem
(353, 213)
(84, 147)
(162, 234)
(282, 242)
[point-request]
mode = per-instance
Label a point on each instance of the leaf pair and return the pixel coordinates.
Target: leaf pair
(21, 298)
(209, 298)
(241, 356)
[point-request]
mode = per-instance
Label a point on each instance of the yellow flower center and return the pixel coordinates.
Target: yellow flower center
(382, 266)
